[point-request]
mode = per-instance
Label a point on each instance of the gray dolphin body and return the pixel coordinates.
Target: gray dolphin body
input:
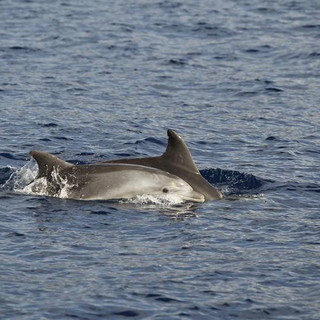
(178, 161)
(107, 181)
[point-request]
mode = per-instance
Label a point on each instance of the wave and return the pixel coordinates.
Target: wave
(234, 182)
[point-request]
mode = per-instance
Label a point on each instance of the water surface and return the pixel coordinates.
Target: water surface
(89, 81)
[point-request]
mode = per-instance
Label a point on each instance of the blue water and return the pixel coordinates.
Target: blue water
(96, 80)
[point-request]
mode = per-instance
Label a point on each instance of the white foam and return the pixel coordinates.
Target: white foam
(20, 178)
(65, 186)
(41, 186)
(24, 180)
(146, 199)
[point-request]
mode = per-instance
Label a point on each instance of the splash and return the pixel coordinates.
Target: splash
(146, 199)
(57, 186)
(24, 180)
(37, 187)
(20, 178)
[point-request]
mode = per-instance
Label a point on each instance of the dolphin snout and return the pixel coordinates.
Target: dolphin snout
(194, 196)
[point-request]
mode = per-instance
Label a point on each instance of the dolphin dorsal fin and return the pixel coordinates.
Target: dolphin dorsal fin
(47, 163)
(178, 153)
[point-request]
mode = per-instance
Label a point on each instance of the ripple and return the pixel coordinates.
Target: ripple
(63, 138)
(9, 156)
(179, 62)
(48, 125)
(24, 49)
(151, 139)
(237, 182)
(127, 313)
(273, 89)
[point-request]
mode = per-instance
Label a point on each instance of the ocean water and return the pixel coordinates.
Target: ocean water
(95, 80)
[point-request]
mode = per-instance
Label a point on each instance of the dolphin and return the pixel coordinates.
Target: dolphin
(178, 161)
(107, 181)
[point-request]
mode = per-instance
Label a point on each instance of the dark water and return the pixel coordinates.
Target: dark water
(92, 80)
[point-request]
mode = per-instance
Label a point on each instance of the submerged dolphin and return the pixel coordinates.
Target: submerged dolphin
(178, 161)
(107, 181)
